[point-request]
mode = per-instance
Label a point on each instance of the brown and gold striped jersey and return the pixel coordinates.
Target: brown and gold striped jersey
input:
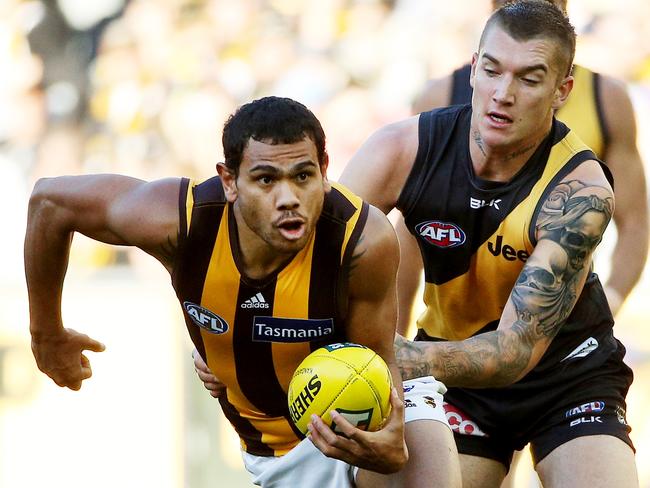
(253, 333)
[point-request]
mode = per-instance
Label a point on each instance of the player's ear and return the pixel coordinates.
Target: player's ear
(562, 92)
(473, 70)
(229, 181)
(323, 169)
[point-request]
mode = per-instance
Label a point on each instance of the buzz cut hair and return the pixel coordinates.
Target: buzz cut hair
(524, 20)
(561, 4)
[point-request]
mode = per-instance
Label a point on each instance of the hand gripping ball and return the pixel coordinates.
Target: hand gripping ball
(349, 378)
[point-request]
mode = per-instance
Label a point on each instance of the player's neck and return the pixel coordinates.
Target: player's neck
(258, 259)
(500, 163)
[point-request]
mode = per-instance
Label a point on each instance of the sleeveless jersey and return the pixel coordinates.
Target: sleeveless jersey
(254, 333)
(582, 111)
(476, 235)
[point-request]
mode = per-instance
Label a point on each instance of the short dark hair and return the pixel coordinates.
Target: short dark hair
(277, 120)
(561, 4)
(529, 19)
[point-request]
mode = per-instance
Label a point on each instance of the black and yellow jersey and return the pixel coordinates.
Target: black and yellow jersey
(476, 235)
(254, 333)
(582, 112)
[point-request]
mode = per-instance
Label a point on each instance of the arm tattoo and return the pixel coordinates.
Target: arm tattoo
(167, 251)
(411, 358)
(359, 251)
(486, 360)
(573, 218)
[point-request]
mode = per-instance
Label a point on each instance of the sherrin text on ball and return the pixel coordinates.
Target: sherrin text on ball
(349, 378)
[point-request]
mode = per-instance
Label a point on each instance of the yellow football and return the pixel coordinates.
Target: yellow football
(349, 378)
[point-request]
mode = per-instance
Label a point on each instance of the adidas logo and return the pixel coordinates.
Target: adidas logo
(256, 301)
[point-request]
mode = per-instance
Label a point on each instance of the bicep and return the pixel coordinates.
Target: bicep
(147, 216)
(372, 312)
(114, 209)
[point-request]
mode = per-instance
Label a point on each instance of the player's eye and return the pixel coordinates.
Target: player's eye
(530, 81)
(265, 179)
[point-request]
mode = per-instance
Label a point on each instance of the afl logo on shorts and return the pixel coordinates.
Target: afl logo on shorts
(441, 234)
(205, 319)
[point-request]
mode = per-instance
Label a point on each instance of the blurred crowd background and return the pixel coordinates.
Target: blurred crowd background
(143, 87)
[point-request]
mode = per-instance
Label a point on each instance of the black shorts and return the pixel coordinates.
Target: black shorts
(559, 400)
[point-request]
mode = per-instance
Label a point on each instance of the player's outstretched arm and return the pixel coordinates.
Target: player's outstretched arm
(631, 217)
(109, 208)
(569, 227)
(372, 315)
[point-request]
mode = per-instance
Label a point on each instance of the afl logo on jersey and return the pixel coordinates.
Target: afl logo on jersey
(441, 234)
(205, 319)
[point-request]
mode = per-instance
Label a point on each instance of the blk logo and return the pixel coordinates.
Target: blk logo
(586, 420)
(441, 234)
(478, 203)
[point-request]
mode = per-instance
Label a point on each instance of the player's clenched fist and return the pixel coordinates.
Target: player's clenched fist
(61, 357)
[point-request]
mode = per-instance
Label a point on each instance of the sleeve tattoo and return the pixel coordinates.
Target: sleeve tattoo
(572, 219)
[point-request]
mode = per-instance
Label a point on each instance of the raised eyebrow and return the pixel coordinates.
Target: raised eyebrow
(525, 70)
(301, 166)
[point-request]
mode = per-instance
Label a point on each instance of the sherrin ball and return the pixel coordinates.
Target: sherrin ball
(349, 378)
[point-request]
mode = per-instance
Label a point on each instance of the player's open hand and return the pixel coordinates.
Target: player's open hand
(210, 381)
(383, 451)
(61, 357)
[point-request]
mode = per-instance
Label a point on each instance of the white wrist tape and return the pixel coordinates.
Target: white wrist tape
(423, 400)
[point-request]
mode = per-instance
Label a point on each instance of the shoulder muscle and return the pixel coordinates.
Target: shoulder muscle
(378, 170)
